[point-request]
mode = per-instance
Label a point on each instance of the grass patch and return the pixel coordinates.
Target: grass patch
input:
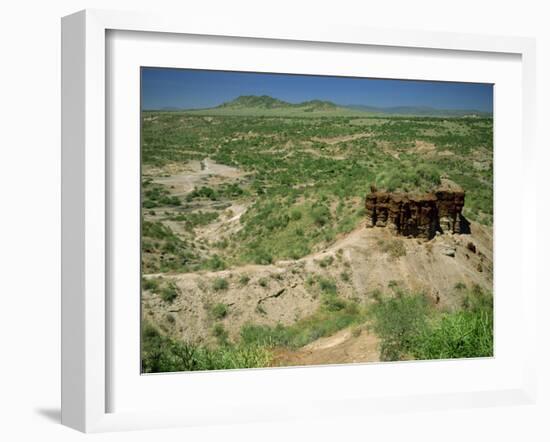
(160, 354)
(394, 247)
(410, 328)
(463, 334)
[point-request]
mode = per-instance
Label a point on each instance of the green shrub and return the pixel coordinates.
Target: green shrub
(169, 292)
(321, 215)
(220, 333)
(220, 284)
(327, 285)
(215, 263)
(398, 321)
(202, 192)
(295, 214)
(333, 303)
(219, 310)
(244, 280)
(345, 276)
(150, 284)
(326, 261)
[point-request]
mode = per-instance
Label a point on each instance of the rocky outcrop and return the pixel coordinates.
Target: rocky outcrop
(417, 214)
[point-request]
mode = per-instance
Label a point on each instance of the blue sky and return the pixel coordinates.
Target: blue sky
(187, 89)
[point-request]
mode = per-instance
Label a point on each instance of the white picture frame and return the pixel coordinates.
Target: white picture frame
(86, 317)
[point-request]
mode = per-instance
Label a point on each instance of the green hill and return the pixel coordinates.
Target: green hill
(264, 105)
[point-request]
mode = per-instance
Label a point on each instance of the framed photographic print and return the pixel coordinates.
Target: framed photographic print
(351, 223)
(275, 224)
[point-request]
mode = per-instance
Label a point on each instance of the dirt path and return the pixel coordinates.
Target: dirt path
(342, 139)
(343, 347)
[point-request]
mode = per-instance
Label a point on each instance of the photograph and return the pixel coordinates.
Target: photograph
(303, 220)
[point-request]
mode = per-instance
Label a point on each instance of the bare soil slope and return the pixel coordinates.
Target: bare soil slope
(373, 259)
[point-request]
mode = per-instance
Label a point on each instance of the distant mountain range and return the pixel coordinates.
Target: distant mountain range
(264, 105)
(420, 111)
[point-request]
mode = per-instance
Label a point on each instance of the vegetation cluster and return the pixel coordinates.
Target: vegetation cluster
(408, 325)
(306, 178)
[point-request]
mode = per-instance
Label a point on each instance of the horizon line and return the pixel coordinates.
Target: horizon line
(348, 105)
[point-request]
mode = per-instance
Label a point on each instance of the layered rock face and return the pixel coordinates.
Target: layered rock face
(449, 206)
(418, 215)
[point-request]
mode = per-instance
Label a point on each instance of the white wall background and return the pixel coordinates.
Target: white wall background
(30, 215)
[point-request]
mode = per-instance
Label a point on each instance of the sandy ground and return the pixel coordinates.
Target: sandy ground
(195, 173)
(343, 348)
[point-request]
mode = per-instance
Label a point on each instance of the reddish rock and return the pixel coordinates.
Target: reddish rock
(418, 215)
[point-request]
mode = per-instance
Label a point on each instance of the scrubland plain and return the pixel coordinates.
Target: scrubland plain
(254, 246)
